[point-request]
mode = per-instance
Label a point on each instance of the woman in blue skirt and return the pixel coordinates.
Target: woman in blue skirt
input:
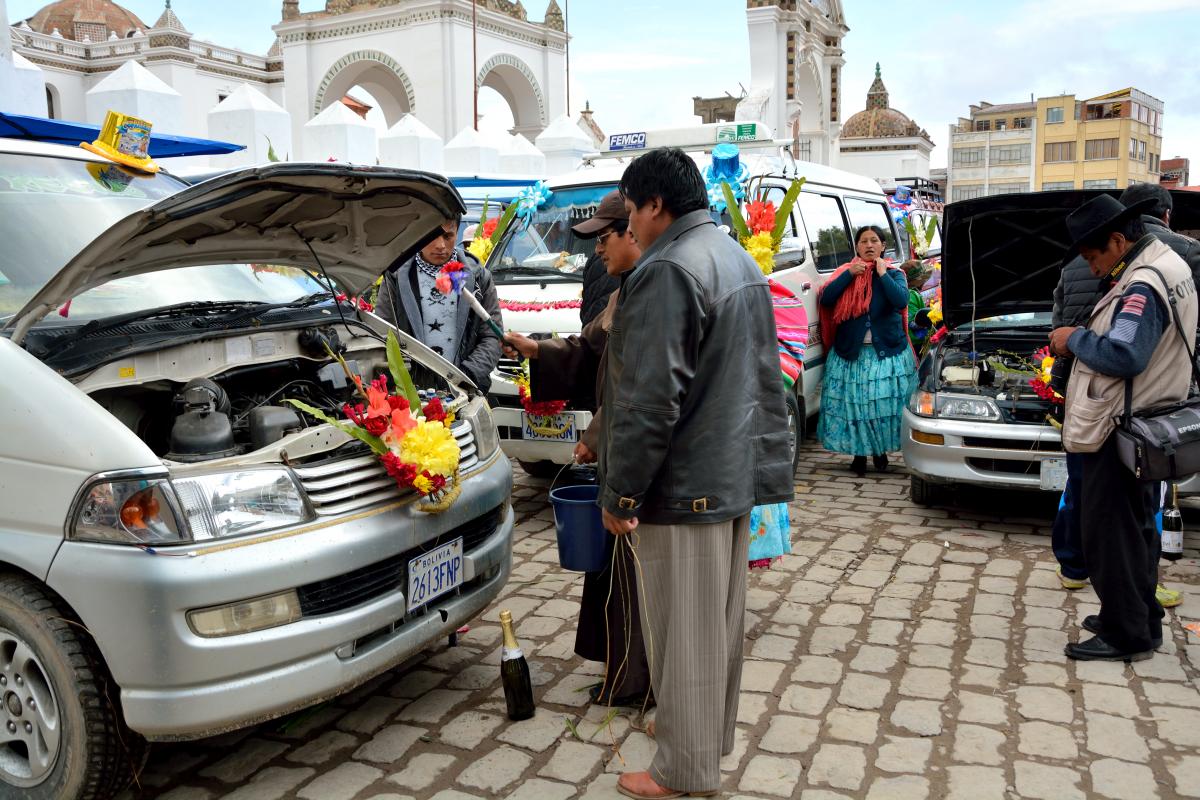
(869, 369)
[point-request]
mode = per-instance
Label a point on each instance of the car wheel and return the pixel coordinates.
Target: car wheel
(61, 734)
(541, 469)
(922, 492)
(795, 428)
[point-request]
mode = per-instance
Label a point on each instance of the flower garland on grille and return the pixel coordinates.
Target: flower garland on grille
(534, 305)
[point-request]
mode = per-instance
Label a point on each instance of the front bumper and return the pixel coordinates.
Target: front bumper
(177, 685)
(979, 453)
(509, 419)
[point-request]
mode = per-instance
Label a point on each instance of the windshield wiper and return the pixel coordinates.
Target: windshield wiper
(262, 308)
(518, 268)
(190, 308)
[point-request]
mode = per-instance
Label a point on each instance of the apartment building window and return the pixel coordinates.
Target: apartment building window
(1132, 147)
(1154, 162)
(1104, 111)
(983, 125)
(968, 156)
(1110, 183)
(1059, 151)
(1057, 186)
(1001, 124)
(968, 192)
(1141, 151)
(1009, 188)
(1097, 149)
(1021, 123)
(1010, 154)
(1054, 114)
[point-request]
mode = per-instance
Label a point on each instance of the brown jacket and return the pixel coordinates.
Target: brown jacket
(573, 368)
(1095, 400)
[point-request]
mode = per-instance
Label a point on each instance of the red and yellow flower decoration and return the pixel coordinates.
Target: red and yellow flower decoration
(413, 442)
(1044, 362)
(761, 230)
(543, 409)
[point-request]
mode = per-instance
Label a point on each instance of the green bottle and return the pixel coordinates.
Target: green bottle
(514, 673)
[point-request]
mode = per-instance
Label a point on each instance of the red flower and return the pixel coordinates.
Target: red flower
(760, 216)
(434, 411)
(489, 228)
(377, 426)
(403, 473)
(438, 482)
(356, 414)
(452, 266)
(398, 403)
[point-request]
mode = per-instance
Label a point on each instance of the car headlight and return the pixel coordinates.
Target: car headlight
(196, 508)
(954, 406)
(487, 440)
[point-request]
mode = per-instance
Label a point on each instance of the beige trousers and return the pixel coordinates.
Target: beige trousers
(693, 604)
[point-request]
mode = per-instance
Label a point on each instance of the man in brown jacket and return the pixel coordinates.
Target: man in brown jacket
(573, 368)
(1130, 343)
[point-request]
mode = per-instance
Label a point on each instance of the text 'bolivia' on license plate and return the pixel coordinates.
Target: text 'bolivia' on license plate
(559, 428)
(432, 574)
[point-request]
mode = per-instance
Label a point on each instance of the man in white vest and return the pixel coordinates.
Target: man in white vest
(1130, 337)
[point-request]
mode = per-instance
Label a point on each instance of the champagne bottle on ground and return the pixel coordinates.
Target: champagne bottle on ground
(1172, 528)
(514, 673)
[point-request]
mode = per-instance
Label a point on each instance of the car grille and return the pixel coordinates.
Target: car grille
(363, 585)
(1012, 444)
(510, 367)
(349, 482)
(1006, 466)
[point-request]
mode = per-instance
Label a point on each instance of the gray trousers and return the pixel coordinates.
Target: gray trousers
(693, 607)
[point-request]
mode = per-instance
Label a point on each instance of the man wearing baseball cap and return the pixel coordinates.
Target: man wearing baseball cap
(598, 283)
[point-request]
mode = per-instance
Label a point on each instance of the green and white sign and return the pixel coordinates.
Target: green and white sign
(742, 132)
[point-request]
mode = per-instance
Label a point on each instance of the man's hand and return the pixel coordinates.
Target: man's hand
(858, 267)
(1058, 340)
(584, 454)
(517, 345)
(617, 526)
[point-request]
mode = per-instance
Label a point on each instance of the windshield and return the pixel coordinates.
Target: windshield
(51, 208)
(545, 247)
(1029, 319)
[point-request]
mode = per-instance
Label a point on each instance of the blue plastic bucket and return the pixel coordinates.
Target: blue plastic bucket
(583, 544)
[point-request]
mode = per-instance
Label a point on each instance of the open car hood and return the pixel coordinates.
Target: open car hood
(358, 220)
(1003, 254)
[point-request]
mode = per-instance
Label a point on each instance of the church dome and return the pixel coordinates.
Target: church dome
(95, 19)
(878, 120)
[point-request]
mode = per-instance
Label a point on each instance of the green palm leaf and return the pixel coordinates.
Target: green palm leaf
(735, 213)
(348, 428)
(400, 374)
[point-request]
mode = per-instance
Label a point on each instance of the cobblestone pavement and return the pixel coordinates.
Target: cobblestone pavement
(900, 652)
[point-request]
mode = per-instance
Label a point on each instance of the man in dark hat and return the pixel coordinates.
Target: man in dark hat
(1129, 342)
(598, 282)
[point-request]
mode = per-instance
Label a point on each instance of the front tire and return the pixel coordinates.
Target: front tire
(795, 427)
(922, 492)
(61, 733)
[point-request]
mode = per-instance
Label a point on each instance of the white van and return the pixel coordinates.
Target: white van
(538, 268)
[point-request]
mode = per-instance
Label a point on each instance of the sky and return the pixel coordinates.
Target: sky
(640, 62)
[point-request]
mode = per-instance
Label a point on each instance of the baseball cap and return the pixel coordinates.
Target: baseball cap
(612, 209)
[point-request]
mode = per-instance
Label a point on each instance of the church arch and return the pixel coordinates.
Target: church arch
(376, 72)
(515, 82)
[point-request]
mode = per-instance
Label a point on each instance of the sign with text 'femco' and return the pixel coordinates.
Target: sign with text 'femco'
(743, 132)
(627, 141)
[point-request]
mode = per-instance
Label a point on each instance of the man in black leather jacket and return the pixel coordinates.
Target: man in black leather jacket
(694, 435)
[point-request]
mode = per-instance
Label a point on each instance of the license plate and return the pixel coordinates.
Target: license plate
(559, 428)
(435, 573)
(1054, 474)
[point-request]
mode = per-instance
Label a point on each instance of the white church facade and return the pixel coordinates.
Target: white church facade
(415, 57)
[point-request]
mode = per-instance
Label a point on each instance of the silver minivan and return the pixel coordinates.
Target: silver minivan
(181, 552)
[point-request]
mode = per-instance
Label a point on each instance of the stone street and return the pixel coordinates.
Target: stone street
(899, 652)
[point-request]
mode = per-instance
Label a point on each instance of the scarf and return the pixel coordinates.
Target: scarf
(854, 301)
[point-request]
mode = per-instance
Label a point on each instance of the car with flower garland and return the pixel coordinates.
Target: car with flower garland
(983, 413)
(228, 491)
(538, 263)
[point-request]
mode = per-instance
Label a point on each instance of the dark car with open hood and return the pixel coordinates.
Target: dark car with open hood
(978, 417)
(184, 551)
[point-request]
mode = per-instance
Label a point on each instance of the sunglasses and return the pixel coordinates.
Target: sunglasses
(602, 238)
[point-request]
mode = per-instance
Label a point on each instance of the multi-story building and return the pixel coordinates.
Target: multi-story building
(1175, 172)
(1106, 142)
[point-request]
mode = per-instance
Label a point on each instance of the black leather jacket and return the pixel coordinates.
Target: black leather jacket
(1076, 295)
(694, 424)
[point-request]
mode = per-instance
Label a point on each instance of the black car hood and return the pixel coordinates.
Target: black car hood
(1003, 254)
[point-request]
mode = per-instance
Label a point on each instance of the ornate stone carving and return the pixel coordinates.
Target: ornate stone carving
(354, 58)
(506, 60)
(554, 17)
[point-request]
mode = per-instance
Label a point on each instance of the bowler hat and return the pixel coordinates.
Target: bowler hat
(611, 209)
(1100, 214)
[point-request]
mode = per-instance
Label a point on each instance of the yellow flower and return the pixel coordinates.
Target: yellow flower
(761, 248)
(481, 248)
(431, 447)
(422, 484)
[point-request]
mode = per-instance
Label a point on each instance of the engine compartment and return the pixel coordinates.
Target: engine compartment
(999, 364)
(242, 409)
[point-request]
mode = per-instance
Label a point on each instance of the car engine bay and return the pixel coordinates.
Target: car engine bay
(998, 364)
